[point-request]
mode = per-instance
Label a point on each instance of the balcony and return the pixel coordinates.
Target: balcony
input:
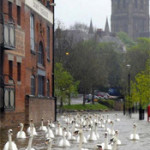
(7, 32)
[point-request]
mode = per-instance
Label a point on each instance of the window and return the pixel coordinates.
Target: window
(41, 54)
(18, 71)
(118, 3)
(40, 85)
(18, 15)
(32, 32)
(136, 4)
(142, 4)
(48, 42)
(48, 88)
(10, 70)
(32, 85)
(10, 10)
(124, 3)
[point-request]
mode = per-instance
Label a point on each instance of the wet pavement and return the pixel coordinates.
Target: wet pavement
(125, 128)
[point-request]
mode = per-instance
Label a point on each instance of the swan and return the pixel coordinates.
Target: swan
(49, 133)
(97, 135)
(111, 131)
(117, 119)
(92, 136)
(105, 145)
(72, 137)
(101, 123)
(42, 127)
(106, 129)
(21, 134)
(108, 120)
(64, 142)
(49, 143)
(52, 124)
(29, 147)
(134, 135)
(10, 145)
(68, 133)
(80, 133)
(115, 139)
(29, 128)
(58, 130)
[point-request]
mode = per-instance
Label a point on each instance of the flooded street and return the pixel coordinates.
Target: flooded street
(125, 128)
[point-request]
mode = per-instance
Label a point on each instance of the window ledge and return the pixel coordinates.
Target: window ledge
(10, 82)
(18, 82)
(33, 52)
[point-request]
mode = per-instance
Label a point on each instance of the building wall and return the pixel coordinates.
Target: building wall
(29, 66)
(130, 16)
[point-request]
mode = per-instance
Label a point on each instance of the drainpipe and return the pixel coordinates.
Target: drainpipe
(1, 62)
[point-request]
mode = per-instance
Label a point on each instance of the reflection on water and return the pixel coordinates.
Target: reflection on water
(124, 127)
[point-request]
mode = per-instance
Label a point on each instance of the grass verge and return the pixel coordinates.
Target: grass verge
(86, 107)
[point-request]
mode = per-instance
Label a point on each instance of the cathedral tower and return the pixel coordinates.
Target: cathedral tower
(130, 16)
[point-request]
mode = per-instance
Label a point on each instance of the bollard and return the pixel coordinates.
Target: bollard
(148, 112)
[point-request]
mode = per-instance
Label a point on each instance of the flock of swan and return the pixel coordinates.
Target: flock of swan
(74, 129)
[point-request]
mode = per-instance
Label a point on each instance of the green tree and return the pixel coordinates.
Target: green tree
(126, 39)
(64, 84)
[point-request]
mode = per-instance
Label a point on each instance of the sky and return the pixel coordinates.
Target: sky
(69, 12)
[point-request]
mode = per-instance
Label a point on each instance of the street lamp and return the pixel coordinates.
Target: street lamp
(129, 92)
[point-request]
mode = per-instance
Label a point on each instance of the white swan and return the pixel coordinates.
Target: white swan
(64, 142)
(80, 132)
(42, 127)
(101, 123)
(58, 130)
(29, 128)
(105, 145)
(134, 135)
(117, 119)
(29, 147)
(10, 145)
(72, 137)
(49, 143)
(115, 139)
(21, 134)
(68, 133)
(52, 124)
(111, 130)
(50, 133)
(92, 136)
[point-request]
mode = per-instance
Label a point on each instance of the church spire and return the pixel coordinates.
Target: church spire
(107, 27)
(91, 28)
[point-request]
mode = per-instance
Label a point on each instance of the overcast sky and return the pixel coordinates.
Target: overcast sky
(71, 11)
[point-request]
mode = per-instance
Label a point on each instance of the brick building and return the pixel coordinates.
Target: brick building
(130, 16)
(26, 61)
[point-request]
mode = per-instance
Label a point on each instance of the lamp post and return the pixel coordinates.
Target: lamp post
(129, 91)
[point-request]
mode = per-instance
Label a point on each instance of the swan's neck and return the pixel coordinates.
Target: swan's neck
(95, 129)
(30, 143)
(106, 143)
(21, 129)
(41, 123)
(10, 141)
(49, 146)
(81, 141)
(31, 129)
(134, 132)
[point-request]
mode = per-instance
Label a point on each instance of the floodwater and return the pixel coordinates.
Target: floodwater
(125, 128)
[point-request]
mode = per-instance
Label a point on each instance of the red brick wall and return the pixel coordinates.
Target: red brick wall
(37, 108)
(29, 62)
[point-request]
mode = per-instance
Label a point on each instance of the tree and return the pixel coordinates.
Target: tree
(64, 84)
(126, 39)
(140, 88)
(138, 55)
